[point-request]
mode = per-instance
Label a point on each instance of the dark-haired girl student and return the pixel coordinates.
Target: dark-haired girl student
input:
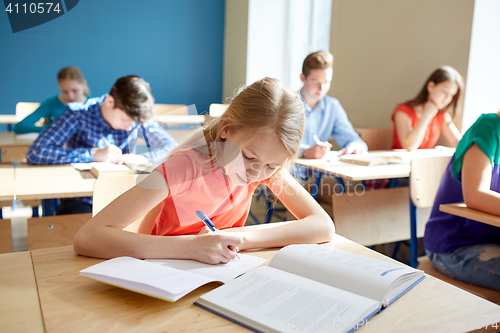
(418, 123)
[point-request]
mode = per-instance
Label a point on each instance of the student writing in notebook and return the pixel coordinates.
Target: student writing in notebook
(104, 129)
(216, 171)
(73, 88)
(419, 122)
(325, 116)
(465, 249)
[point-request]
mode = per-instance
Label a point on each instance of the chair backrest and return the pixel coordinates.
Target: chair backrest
(216, 110)
(24, 109)
(5, 236)
(170, 109)
(377, 138)
(425, 177)
(54, 231)
(106, 189)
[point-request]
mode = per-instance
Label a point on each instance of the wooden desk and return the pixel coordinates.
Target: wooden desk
(7, 182)
(13, 148)
(461, 209)
(52, 181)
(170, 119)
(8, 119)
(70, 303)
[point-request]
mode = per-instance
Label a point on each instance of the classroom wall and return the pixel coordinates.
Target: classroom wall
(483, 84)
(384, 51)
(176, 45)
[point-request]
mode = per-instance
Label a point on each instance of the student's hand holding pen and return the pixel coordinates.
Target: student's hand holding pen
(318, 150)
(109, 153)
(213, 248)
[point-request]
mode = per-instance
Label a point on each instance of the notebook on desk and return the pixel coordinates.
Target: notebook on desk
(368, 160)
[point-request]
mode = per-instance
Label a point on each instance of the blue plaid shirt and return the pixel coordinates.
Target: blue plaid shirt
(81, 127)
(72, 136)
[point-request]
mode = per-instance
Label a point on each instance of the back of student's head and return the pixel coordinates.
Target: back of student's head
(133, 95)
(441, 74)
(74, 74)
(317, 60)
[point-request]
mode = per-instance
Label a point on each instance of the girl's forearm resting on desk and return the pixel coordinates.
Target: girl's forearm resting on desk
(476, 182)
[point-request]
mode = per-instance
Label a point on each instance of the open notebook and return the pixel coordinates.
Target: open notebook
(167, 279)
(308, 284)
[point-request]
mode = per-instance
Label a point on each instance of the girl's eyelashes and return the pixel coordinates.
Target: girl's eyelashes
(246, 157)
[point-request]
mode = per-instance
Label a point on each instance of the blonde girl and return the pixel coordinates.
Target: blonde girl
(73, 88)
(254, 142)
(419, 122)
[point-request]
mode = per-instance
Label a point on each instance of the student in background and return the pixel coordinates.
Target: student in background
(465, 249)
(73, 89)
(325, 116)
(104, 129)
(419, 122)
(216, 171)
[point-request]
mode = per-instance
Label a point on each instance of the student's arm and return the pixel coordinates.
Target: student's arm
(49, 148)
(476, 182)
(159, 141)
(103, 236)
(410, 137)
(27, 125)
(450, 131)
(313, 224)
(344, 134)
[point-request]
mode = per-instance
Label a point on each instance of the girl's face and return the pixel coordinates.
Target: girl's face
(442, 93)
(72, 91)
(254, 162)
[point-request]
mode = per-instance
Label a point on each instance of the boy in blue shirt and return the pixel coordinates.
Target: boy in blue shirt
(104, 129)
(325, 116)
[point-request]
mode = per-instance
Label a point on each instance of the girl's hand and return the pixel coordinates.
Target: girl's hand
(213, 248)
(430, 109)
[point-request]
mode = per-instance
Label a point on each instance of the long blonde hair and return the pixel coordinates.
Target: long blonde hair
(265, 106)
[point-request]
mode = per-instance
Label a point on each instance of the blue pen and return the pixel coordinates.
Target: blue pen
(209, 224)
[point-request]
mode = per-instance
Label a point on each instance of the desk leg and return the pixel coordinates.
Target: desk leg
(413, 235)
(48, 206)
(317, 183)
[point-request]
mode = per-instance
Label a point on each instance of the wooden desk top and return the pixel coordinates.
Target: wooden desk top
(72, 303)
(7, 190)
(461, 209)
(19, 306)
(52, 181)
(179, 119)
(10, 139)
(360, 172)
(8, 119)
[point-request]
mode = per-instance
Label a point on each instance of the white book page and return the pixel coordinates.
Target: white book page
(131, 273)
(82, 166)
(284, 302)
(345, 270)
(220, 272)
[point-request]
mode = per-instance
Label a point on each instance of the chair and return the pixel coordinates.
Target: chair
(425, 177)
(5, 236)
(24, 109)
(377, 138)
(216, 110)
(107, 189)
(54, 231)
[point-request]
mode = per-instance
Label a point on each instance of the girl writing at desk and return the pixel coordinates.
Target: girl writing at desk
(73, 89)
(465, 249)
(419, 122)
(216, 171)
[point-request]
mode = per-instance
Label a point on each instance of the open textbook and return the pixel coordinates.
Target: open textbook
(167, 279)
(313, 288)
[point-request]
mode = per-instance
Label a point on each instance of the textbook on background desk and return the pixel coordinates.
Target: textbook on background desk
(368, 160)
(307, 286)
(167, 279)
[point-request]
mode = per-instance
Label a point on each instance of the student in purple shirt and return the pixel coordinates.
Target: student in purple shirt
(465, 249)
(325, 116)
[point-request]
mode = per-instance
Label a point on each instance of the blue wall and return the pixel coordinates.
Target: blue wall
(175, 45)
